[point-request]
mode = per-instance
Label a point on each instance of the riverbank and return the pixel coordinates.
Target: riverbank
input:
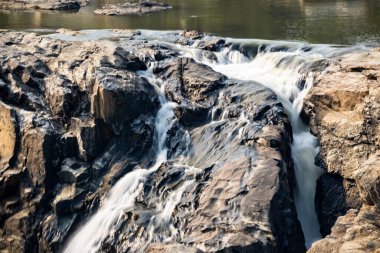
(43, 5)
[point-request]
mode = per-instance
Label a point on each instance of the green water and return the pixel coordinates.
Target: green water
(316, 21)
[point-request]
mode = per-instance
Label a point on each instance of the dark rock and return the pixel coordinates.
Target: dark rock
(70, 146)
(193, 81)
(330, 201)
(92, 136)
(192, 116)
(73, 171)
(119, 97)
(55, 231)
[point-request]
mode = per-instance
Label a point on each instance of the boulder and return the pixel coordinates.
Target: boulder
(354, 232)
(119, 97)
(344, 110)
(188, 80)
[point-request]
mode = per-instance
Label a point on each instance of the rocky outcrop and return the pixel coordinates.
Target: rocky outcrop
(65, 107)
(76, 116)
(42, 5)
(132, 8)
(344, 108)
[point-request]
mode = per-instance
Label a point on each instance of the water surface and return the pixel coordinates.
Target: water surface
(315, 21)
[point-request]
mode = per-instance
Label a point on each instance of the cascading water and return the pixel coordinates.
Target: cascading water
(123, 195)
(288, 75)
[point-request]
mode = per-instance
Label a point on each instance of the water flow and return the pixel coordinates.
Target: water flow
(122, 196)
(288, 75)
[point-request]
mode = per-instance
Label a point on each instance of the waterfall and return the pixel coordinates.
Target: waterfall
(288, 74)
(89, 237)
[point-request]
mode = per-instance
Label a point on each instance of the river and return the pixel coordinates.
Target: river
(314, 21)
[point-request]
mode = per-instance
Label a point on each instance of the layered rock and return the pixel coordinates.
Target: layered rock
(344, 107)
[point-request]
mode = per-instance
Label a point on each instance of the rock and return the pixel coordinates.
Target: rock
(260, 178)
(73, 171)
(132, 8)
(188, 80)
(119, 96)
(354, 232)
(331, 201)
(70, 146)
(9, 136)
(169, 248)
(41, 156)
(344, 111)
(54, 231)
(69, 199)
(63, 97)
(92, 136)
(240, 199)
(20, 231)
(69, 111)
(43, 5)
(368, 180)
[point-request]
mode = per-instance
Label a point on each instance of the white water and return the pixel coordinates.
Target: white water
(282, 72)
(122, 196)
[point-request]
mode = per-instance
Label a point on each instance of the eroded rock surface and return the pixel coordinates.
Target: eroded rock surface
(344, 106)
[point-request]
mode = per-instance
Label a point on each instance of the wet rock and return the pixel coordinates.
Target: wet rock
(193, 81)
(244, 186)
(132, 8)
(343, 107)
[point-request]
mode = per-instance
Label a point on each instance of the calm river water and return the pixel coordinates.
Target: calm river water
(315, 21)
